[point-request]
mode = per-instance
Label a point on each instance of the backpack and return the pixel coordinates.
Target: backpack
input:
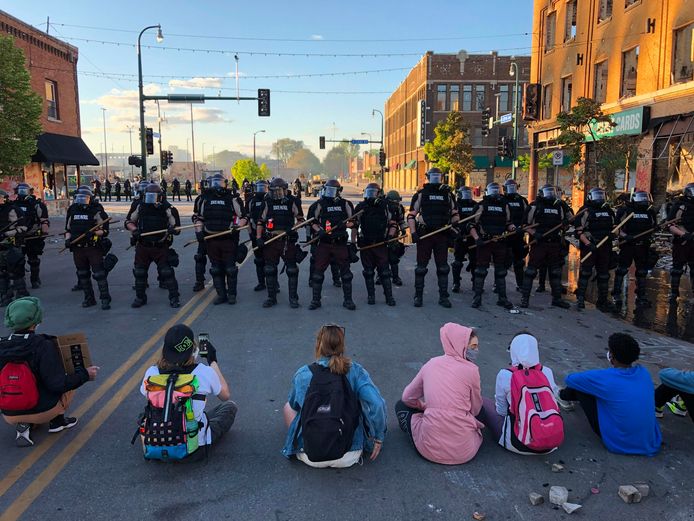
(329, 416)
(168, 427)
(18, 388)
(537, 423)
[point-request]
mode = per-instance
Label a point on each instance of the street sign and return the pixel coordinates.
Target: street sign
(558, 157)
(359, 142)
(506, 118)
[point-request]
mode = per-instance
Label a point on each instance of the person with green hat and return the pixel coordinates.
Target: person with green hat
(51, 388)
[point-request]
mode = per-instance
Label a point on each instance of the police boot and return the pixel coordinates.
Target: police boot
(317, 287)
(168, 278)
(347, 302)
(5, 295)
(604, 302)
(442, 279)
(555, 285)
(370, 288)
(200, 264)
(419, 273)
(232, 273)
(335, 270)
(395, 275)
(541, 286)
(478, 286)
(293, 284)
(641, 300)
(100, 277)
(500, 281)
(260, 273)
(219, 284)
(386, 277)
(86, 286)
(271, 282)
(140, 275)
(456, 268)
(518, 269)
(675, 277)
(527, 287)
(34, 269)
(618, 288)
(582, 287)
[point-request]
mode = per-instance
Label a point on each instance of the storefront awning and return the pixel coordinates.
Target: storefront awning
(503, 161)
(410, 165)
(481, 162)
(67, 150)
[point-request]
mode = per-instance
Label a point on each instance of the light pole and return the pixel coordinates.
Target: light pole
(373, 113)
(203, 153)
(254, 133)
(161, 170)
(214, 159)
(141, 94)
(192, 143)
(103, 113)
(514, 71)
(370, 139)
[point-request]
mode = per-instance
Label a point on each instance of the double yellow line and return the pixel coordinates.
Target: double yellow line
(199, 302)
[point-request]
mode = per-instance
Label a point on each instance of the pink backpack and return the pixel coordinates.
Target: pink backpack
(537, 423)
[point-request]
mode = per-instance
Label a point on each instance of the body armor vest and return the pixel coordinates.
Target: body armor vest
(493, 218)
(373, 225)
(548, 215)
(280, 214)
(435, 206)
(332, 213)
(516, 205)
(600, 222)
(218, 211)
(82, 219)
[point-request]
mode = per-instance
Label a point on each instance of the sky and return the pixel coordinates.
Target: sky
(197, 56)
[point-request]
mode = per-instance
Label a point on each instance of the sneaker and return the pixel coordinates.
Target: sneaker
(23, 438)
(565, 405)
(61, 422)
(659, 412)
(677, 407)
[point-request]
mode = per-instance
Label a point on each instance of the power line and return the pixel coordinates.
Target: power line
(260, 76)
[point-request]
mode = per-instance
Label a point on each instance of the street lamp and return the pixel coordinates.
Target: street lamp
(143, 144)
(373, 113)
(254, 133)
(513, 71)
(370, 139)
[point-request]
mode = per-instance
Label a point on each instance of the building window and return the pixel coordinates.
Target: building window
(454, 96)
(52, 99)
(600, 91)
(547, 101)
(467, 98)
(605, 10)
(440, 97)
(479, 98)
(504, 98)
(629, 3)
(566, 91)
(630, 61)
(570, 27)
(682, 65)
(550, 30)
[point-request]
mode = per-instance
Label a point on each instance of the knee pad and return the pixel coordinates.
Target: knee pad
(368, 272)
(347, 275)
(82, 274)
(99, 275)
(216, 270)
(621, 271)
(481, 272)
(318, 278)
(140, 272)
(500, 271)
(385, 272)
(292, 270)
(444, 269)
(165, 272)
(270, 270)
(530, 272)
(457, 264)
(603, 277)
(420, 271)
(586, 273)
(555, 272)
(231, 271)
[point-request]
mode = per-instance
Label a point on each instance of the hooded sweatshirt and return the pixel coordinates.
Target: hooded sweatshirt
(447, 389)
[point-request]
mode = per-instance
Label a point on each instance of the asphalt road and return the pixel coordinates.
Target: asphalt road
(92, 471)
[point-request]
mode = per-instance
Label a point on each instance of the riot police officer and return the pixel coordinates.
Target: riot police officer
(37, 223)
(518, 249)
(200, 257)
(279, 213)
(432, 208)
(492, 220)
(683, 238)
(154, 213)
(376, 225)
(254, 207)
(592, 226)
(220, 210)
(463, 241)
(83, 215)
(12, 226)
(396, 249)
(546, 248)
(334, 227)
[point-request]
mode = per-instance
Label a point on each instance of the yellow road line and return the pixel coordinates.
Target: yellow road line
(36, 487)
(17, 472)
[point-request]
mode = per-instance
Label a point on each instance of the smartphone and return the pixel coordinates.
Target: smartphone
(203, 340)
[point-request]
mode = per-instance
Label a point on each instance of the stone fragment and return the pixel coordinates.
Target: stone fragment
(557, 467)
(536, 499)
(629, 494)
(570, 508)
(643, 488)
(478, 516)
(559, 495)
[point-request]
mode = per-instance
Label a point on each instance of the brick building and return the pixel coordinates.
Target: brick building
(364, 168)
(634, 56)
(52, 65)
(437, 85)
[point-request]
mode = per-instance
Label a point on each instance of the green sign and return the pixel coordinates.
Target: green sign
(628, 123)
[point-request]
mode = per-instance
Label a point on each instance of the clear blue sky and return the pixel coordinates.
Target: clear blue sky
(402, 26)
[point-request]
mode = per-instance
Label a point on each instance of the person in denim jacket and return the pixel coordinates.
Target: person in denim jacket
(330, 352)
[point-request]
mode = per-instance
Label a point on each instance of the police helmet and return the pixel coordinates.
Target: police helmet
(434, 176)
(153, 193)
(596, 195)
(372, 191)
(549, 192)
(261, 187)
(510, 187)
(4, 195)
(394, 195)
(331, 189)
(278, 188)
(689, 191)
(216, 181)
(83, 195)
(465, 193)
(642, 198)
(23, 189)
(493, 190)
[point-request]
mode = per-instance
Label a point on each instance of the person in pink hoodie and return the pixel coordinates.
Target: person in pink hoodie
(439, 407)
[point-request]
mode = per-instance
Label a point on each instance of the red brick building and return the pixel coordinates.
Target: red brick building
(52, 65)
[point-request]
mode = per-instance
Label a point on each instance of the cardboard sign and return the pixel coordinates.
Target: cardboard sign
(74, 351)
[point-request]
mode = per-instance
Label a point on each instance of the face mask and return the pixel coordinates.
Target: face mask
(471, 354)
(609, 357)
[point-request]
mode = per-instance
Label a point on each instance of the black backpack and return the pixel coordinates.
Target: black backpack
(329, 416)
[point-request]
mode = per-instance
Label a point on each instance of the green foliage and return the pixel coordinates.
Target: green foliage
(336, 161)
(451, 150)
(20, 110)
(543, 161)
(246, 169)
(304, 161)
(265, 172)
(284, 148)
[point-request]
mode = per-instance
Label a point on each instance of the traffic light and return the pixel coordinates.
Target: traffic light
(149, 141)
(486, 123)
(501, 147)
(382, 157)
(169, 158)
(135, 161)
(321, 142)
(264, 102)
(164, 159)
(506, 147)
(531, 102)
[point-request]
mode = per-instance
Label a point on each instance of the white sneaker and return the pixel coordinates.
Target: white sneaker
(565, 405)
(23, 438)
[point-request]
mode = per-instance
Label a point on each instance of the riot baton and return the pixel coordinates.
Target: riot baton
(279, 236)
(506, 235)
(655, 228)
(225, 232)
(90, 230)
(604, 240)
(342, 223)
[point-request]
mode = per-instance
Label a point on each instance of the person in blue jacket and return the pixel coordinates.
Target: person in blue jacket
(371, 431)
(619, 402)
(676, 391)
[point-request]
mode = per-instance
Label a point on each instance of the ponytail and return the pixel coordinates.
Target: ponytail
(339, 364)
(330, 343)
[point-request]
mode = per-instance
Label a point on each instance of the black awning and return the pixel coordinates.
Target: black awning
(68, 150)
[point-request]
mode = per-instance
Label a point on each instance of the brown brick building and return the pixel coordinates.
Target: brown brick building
(437, 85)
(52, 65)
(634, 56)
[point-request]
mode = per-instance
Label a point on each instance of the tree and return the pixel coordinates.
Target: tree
(336, 162)
(543, 161)
(284, 148)
(246, 169)
(304, 161)
(451, 150)
(265, 172)
(20, 110)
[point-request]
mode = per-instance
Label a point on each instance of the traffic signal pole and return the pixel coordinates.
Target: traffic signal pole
(514, 68)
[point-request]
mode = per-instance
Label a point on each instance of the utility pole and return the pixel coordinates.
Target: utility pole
(161, 170)
(515, 71)
(192, 141)
(141, 95)
(254, 133)
(103, 113)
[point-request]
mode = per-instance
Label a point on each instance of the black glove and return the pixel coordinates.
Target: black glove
(322, 234)
(211, 355)
(628, 238)
(415, 237)
(200, 236)
(171, 229)
(136, 233)
(353, 257)
(479, 241)
(68, 243)
(537, 236)
(260, 243)
(592, 247)
(686, 237)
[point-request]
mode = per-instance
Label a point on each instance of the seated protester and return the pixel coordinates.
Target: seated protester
(31, 371)
(314, 436)
(439, 407)
(509, 404)
(179, 355)
(676, 391)
(619, 401)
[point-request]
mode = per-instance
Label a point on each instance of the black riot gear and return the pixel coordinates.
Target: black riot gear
(493, 190)
(372, 191)
(331, 189)
(434, 176)
(549, 192)
(596, 196)
(510, 187)
(278, 188)
(261, 187)
(465, 193)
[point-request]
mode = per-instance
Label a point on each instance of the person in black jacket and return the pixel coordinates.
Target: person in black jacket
(55, 387)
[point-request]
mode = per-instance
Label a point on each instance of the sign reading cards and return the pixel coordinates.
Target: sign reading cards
(627, 123)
